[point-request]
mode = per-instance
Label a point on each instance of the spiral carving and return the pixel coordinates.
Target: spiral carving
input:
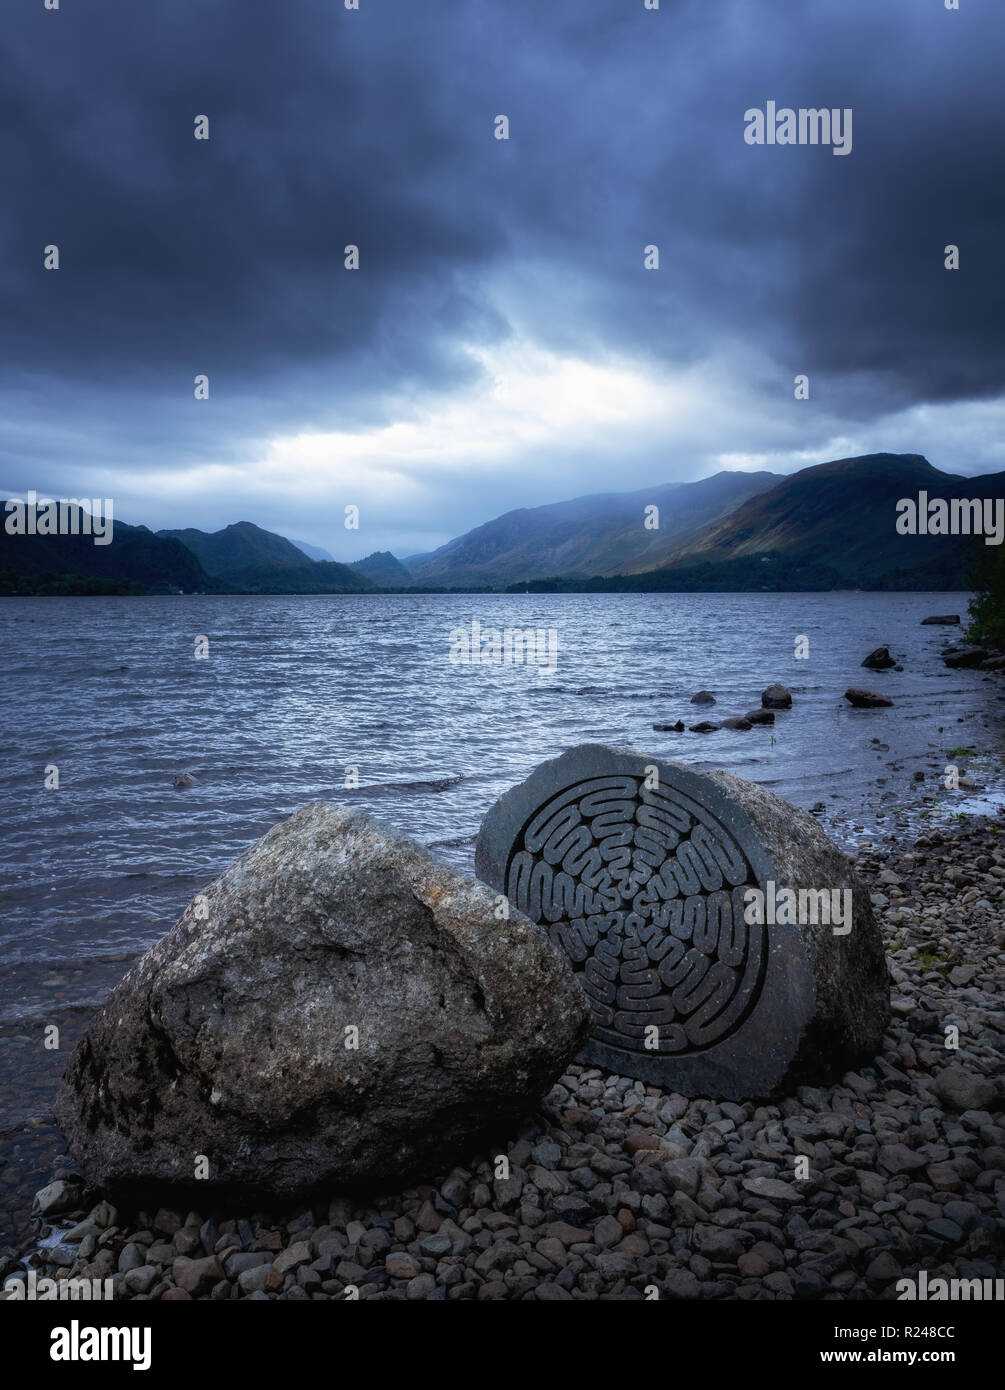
(642, 888)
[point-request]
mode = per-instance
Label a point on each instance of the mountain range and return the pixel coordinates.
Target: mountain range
(829, 526)
(250, 560)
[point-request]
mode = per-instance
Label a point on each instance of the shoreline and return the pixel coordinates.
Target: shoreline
(616, 1186)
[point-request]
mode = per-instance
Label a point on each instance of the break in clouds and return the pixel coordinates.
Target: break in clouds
(501, 344)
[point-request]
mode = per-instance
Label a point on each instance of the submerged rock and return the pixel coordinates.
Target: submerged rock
(941, 620)
(879, 660)
(234, 1039)
(866, 699)
(966, 656)
(703, 697)
(760, 716)
(776, 697)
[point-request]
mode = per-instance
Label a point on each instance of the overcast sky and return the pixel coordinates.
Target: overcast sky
(501, 344)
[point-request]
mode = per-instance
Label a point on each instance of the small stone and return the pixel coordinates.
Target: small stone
(197, 1277)
(897, 1158)
(167, 1221)
(773, 1189)
(57, 1196)
(961, 1090)
(945, 1230)
(684, 1175)
(141, 1279)
(681, 1283)
(240, 1260)
(607, 1232)
(882, 1269)
(292, 1256)
(131, 1256)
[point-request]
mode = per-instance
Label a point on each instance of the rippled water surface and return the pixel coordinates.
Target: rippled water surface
(297, 689)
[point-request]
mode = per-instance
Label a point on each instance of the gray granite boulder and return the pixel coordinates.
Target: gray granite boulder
(231, 1038)
(725, 943)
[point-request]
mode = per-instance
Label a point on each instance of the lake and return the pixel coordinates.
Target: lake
(296, 690)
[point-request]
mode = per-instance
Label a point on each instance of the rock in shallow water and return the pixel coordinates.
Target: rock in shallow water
(879, 660)
(641, 870)
(776, 697)
(866, 699)
(228, 1039)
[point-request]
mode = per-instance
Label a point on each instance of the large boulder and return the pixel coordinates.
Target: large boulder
(725, 943)
(232, 1037)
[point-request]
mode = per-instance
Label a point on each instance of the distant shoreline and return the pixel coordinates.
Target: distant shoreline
(541, 587)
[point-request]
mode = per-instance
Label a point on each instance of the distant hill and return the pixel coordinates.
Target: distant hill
(240, 546)
(254, 561)
(384, 570)
(841, 517)
(830, 526)
(602, 534)
(314, 551)
(136, 561)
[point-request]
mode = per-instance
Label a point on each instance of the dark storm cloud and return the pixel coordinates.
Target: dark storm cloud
(375, 127)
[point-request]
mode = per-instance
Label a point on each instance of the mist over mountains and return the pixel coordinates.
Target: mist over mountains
(829, 526)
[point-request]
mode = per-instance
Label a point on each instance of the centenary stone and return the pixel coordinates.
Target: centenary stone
(232, 1038)
(639, 869)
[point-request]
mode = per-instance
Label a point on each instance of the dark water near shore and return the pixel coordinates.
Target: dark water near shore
(297, 689)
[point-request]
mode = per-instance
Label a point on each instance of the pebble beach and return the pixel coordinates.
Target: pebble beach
(616, 1189)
